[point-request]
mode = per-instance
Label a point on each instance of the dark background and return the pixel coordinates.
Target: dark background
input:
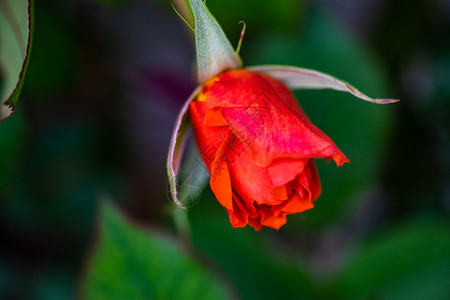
(105, 82)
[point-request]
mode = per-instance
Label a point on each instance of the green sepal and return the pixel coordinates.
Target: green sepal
(301, 78)
(177, 145)
(214, 52)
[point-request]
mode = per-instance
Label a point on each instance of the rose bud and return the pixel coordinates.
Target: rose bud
(256, 142)
(259, 148)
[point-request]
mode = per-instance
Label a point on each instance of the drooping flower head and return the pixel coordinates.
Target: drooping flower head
(256, 142)
(259, 148)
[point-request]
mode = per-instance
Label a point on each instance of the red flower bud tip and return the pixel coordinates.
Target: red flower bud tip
(259, 146)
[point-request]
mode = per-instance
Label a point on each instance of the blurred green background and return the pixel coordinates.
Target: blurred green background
(85, 212)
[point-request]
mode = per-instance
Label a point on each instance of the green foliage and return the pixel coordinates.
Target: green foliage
(11, 139)
(256, 265)
(132, 263)
(56, 55)
(260, 15)
(406, 262)
(16, 27)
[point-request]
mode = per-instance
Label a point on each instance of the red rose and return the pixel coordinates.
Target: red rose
(255, 140)
(259, 147)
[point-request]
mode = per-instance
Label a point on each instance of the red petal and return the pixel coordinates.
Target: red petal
(250, 182)
(220, 180)
(296, 204)
(258, 146)
(255, 223)
(284, 170)
(280, 192)
(209, 138)
(316, 186)
(271, 219)
(261, 112)
(211, 143)
(238, 219)
(214, 117)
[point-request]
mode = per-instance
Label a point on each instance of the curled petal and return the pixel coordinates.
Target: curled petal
(301, 78)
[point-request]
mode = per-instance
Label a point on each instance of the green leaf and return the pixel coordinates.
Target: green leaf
(301, 78)
(214, 52)
(16, 28)
(415, 252)
(133, 263)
